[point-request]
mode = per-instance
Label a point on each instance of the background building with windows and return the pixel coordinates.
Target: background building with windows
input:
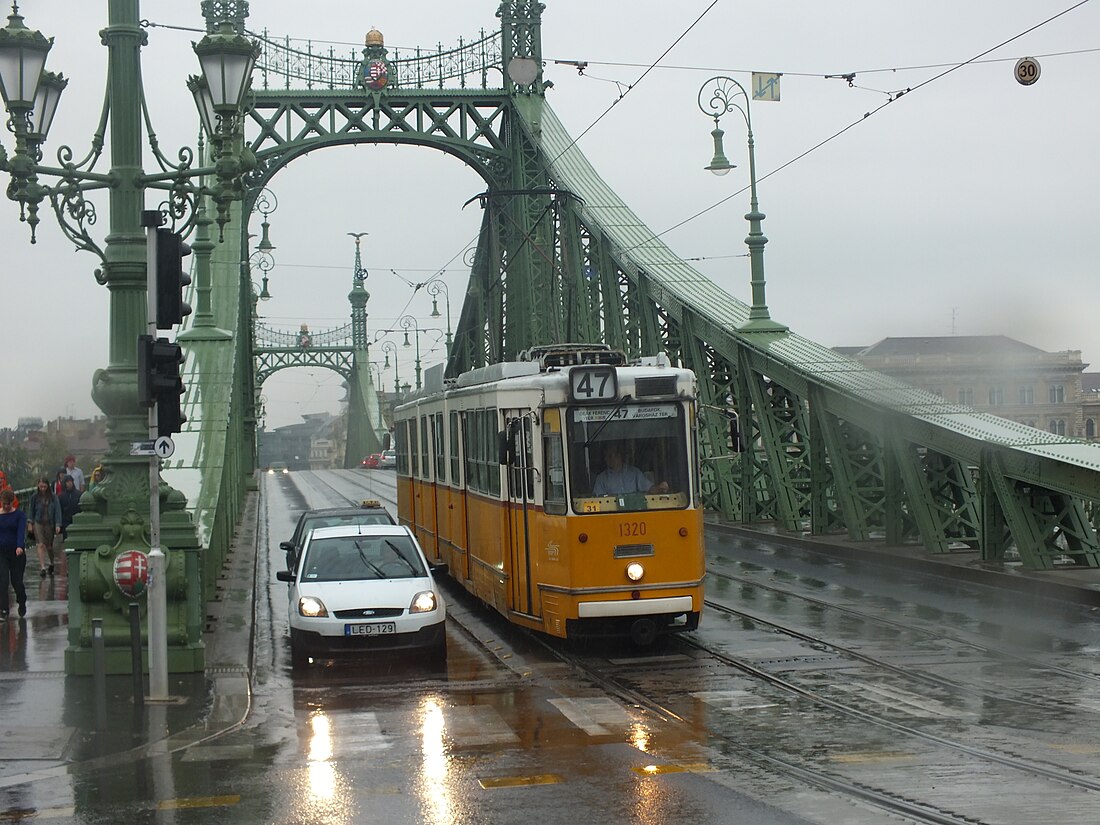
(996, 374)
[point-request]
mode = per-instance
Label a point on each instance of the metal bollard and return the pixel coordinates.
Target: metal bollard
(99, 674)
(135, 655)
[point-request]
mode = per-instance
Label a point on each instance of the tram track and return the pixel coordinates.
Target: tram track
(979, 646)
(878, 798)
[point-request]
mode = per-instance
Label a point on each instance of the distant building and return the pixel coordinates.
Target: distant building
(317, 443)
(995, 374)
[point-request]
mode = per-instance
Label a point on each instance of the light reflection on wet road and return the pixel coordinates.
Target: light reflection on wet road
(509, 733)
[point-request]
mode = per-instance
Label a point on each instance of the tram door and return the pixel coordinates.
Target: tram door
(520, 499)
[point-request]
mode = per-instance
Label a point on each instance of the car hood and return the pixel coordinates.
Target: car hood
(344, 595)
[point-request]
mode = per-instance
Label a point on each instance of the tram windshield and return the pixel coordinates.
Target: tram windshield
(628, 457)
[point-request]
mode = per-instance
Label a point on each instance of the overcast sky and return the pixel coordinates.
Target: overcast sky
(967, 206)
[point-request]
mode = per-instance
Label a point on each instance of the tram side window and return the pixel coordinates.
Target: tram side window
(401, 437)
(440, 447)
(455, 478)
(422, 464)
(491, 460)
(554, 489)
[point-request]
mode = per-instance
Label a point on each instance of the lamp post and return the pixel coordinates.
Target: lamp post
(409, 322)
(31, 96)
(388, 347)
(434, 286)
(717, 97)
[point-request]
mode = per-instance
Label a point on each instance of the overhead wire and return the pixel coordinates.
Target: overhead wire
(952, 68)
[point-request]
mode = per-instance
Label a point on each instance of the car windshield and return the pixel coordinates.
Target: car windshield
(361, 558)
(340, 521)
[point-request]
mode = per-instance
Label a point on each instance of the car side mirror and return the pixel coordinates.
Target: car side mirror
(286, 545)
(440, 568)
(285, 576)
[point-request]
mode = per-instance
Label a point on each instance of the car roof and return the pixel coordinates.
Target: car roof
(372, 509)
(360, 530)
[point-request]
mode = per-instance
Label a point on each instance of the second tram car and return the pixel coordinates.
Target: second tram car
(563, 490)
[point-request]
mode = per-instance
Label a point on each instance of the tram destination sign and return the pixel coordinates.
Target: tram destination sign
(627, 412)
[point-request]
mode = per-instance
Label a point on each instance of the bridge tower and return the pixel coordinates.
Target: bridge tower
(364, 415)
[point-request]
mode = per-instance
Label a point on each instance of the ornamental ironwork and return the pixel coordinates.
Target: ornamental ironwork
(288, 63)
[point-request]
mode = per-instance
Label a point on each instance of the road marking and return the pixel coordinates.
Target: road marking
(733, 700)
(472, 725)
(657, 770)
(358, 732)
(590, 715)
(520, 781)
(198, 802)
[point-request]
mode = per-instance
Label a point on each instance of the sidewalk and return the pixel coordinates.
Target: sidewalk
(1077, 584)
(53, 723)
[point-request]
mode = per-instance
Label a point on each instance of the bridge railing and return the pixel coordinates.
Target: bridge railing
(468, 65)
(270, 337)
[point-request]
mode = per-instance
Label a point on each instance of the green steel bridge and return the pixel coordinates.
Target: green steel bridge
(820, 444)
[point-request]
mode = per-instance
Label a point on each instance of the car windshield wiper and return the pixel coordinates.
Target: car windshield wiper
(400, 555)
(368, 562)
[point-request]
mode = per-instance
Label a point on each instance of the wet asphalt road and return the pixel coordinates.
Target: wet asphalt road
(512, 730)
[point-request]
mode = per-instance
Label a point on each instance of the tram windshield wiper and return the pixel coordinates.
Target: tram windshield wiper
(607, 419)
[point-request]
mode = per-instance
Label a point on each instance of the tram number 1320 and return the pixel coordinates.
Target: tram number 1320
(632, 528)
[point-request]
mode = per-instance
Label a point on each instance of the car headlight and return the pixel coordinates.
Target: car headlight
(311, 607)
(286, 470)
(635, 571)
(423, 602)
(270, 472)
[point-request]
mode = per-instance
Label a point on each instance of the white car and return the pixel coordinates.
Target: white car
(388, 460)
(360, 588)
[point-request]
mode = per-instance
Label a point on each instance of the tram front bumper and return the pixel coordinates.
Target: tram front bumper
(634, 607)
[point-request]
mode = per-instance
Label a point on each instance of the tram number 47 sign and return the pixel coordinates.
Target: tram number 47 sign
(597, 383)
(1027, 71)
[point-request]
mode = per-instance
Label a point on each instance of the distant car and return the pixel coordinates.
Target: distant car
(363, 588)
(369, 511)
(371, 461)
(388, 460)
(277, 467)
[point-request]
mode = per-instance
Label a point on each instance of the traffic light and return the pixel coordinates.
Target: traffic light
(159, 381)
(171, 278)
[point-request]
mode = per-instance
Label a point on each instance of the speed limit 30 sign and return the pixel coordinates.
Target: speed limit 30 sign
(1027, 71)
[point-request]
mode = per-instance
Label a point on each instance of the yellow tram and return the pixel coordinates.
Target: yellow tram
(562, 489)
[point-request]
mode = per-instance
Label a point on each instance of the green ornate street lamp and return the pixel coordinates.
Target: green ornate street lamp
(434, 286)
(717, 97)
(409, 322)
(116, 513)
(388, 347)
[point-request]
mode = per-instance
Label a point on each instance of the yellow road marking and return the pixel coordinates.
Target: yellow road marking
(517, 781)
(198, 802)
(655, 770)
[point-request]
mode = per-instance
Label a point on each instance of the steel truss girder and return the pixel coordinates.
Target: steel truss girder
(1047, 527)
(464, 123)
(271, 360)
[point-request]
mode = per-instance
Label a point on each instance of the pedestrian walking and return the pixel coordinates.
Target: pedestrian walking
(59, 481)
(6, 485)
(98, 474)
(70, 504)
(75, 472)
(45, 519)
(13, 553)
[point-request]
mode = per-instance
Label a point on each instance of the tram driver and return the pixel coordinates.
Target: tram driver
(620, 477)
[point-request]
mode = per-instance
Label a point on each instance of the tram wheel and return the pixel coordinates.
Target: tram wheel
(643, 632)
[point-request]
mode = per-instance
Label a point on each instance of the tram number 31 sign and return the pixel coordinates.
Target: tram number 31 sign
(1027, 71)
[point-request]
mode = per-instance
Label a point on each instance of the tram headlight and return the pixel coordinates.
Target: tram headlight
(311, 607)
(635, 571)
